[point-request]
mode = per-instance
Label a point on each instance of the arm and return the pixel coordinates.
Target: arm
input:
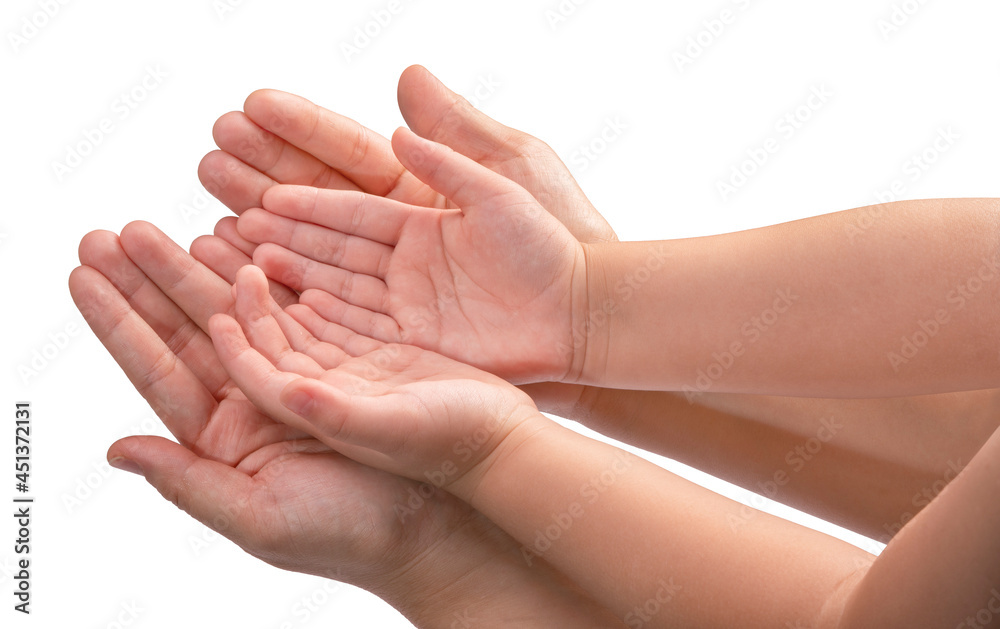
(660, 541)
(281, 496)
(807, 307)
(868, 465)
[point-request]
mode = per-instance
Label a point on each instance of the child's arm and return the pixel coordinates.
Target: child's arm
(645, 543)
(804, 308)
(866, 464)
(889, 300)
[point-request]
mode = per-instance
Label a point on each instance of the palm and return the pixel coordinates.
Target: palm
(395, 407)
(264, 484)
(335, 511)
(462, 286)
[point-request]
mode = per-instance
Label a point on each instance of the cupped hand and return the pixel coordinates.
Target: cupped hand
(280, 494)
(499, 283)
(284, 139)
(397, 407)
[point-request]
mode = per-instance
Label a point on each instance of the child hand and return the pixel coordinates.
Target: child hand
(396, 407)
(499, 284)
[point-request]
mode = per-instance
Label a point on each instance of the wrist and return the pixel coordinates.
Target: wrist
(475, 576)
(593, 311)
(526, 423)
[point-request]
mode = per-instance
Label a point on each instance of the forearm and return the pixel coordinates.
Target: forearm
(810, 307)
(869, 465)
(943, 569)
(661, 541)
(474, 576)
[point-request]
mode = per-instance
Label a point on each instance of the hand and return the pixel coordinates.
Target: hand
(283, 138)
(281, 495)
(498, 284)
(396, 407)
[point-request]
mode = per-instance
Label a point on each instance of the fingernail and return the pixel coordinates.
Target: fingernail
(127, 465)
(299, 402)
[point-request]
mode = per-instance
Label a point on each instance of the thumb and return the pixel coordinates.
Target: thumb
(435, 112)
(212, 492)
(459, 179)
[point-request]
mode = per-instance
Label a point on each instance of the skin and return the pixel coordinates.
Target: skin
(411, 411)
(419, 414)
(602, 401)
(872, 476)
(280, 494)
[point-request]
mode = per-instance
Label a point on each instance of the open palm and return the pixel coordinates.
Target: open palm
(400, 408)
(496, 284)
(274, 490)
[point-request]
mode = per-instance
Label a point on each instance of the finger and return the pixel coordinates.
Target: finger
(225, 260)
(198, 291)
(435, 112)
(373, 325)
(349, 341)
(372, 424)
(359, 154)
(238, 135)
(458, 178)
(355, 213)
(102, 251)
(256, 312)
(232, 182)
(174, 392)
(301, 273)
(327, 411)
(322, 244)
(215, 494)
(227, 230)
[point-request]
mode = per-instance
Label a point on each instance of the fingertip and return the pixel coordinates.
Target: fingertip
(96, 244)
(261, 98)
(297, 397)
(281, 193)
(223, 124)
(221, 325)
(250, 276)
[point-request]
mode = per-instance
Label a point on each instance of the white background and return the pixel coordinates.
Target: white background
(685, 129)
